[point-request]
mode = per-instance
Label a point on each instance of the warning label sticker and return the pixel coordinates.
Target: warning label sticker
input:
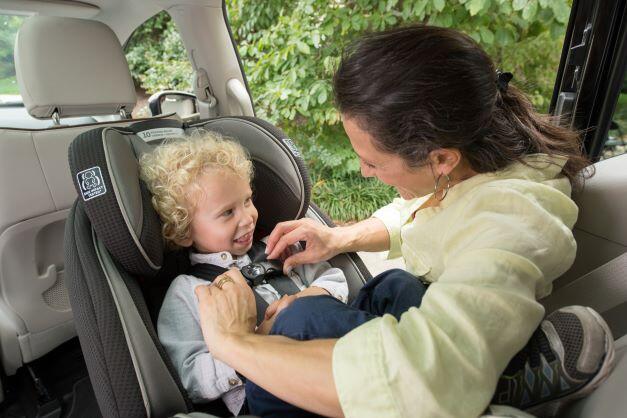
(91, 183)
(160, 133)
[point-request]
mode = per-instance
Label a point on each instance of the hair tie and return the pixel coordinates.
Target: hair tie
(502, 80)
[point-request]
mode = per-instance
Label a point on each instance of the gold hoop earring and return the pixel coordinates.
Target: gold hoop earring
(437, 183)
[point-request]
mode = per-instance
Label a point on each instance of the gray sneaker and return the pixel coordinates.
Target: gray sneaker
(567, 357)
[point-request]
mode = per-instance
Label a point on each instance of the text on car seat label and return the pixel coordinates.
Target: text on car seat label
(160, 133)
(91, 183)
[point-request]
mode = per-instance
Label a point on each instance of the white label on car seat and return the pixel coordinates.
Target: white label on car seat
(160, 133)
(91, 183)
(290, 144)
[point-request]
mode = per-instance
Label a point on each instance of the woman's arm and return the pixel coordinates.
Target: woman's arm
(300, 372)
(278, 365)
(323, 242)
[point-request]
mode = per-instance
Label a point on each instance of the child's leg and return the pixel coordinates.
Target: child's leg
(391, 292)
(315, 317)
(306, 318)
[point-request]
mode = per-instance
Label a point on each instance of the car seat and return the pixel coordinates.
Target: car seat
(117, 270)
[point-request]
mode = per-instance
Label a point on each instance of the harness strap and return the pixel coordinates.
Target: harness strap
(210, 272)
(274, 276)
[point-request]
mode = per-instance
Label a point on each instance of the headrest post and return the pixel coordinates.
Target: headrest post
(56, 120)
(124, 113)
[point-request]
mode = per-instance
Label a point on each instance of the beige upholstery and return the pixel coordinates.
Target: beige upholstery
(601, 229)
(78, 67)
(73, 65)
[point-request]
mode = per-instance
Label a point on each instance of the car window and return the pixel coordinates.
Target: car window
(616, 142)
(290, 52)
(158, 60)
(12, 112)
(9, 92)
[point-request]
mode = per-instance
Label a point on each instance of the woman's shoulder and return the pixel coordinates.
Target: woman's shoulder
(524, 197)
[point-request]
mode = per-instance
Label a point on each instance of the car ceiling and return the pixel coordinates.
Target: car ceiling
(123, 16)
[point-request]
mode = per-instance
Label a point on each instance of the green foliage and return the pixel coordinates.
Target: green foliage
(352, 198)
(157, 57)
(9, 26)
(290, 51)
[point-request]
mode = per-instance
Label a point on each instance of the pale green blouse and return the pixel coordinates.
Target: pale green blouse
(490, 250)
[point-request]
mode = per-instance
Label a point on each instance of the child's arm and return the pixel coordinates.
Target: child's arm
(322, 275)
(178, 326)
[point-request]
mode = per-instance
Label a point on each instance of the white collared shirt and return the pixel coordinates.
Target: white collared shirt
(178, 326)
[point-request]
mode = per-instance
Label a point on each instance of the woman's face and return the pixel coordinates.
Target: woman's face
(388, 168)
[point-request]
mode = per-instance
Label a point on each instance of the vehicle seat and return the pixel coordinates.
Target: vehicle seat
(117, 265)
(598, 277)
(76, 68)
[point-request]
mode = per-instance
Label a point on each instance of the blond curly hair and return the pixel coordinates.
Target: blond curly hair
(173, 169)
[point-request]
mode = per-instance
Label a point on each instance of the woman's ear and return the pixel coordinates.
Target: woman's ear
(444, 160)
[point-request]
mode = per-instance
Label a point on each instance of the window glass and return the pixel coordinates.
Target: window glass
(12, 111)
(158, 60)
(616, 142)
(290, 51)
(9, 26)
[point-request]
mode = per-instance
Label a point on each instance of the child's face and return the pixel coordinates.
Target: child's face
(224, 216)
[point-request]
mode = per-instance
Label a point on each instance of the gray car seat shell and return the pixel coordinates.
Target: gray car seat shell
(113, 245)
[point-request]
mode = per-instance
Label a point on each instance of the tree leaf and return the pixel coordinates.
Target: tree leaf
(474, 6)
(530, 11)
(519, 4)
(560, 10)
(439, 5)
(486, 35)
(303, 47)
(322, 97)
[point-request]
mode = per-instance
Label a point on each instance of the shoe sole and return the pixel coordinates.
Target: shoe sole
(551, 409)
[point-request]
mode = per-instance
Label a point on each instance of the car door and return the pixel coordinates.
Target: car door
(588, 97)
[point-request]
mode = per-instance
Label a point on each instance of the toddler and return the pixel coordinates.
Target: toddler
(201, 191)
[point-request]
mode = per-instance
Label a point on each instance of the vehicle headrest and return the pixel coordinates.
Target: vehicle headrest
(75, 66)
(104, 166)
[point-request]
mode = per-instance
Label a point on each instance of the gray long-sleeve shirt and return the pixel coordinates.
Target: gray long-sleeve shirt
(178, 327)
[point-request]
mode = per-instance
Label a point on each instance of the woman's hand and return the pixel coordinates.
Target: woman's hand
(322, 242)
(228, 311)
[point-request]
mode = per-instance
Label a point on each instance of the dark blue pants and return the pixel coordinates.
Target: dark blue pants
(391, 292)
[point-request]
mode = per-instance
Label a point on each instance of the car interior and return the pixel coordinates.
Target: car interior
(82, 266)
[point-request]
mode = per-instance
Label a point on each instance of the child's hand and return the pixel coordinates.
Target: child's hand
(278, 305)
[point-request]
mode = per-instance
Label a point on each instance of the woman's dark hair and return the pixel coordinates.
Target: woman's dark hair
(415, 89)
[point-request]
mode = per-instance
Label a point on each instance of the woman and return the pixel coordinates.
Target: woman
(485, 218)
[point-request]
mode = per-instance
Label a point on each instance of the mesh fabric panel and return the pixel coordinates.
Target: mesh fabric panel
(97, 324)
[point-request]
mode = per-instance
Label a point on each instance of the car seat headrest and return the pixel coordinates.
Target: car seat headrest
(75, 66)
(105, 171)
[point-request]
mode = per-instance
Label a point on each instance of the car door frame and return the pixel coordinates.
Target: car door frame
(591, 71)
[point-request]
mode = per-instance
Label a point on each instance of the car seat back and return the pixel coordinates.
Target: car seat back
(66, 68)
(115, 253)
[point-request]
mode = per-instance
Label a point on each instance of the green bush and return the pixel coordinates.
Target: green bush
(290, 51)
(9, 26)
(157, 57)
